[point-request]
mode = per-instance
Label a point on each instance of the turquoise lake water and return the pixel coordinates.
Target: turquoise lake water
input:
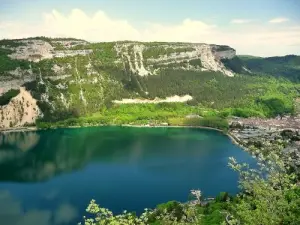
(49, 177)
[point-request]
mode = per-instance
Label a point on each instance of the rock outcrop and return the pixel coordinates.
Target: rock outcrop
(37, 50)
(175, 98)
(21, 110)
(147, 59)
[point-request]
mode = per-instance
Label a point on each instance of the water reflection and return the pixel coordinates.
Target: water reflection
(22, 141)
(14, 145)
(37, 156)
(13, 213)
(47, 173)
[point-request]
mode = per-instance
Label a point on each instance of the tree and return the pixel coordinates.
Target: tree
(269, 194)
(171, 213)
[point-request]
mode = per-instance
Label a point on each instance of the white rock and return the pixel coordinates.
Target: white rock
(20, 110)
(174, 98)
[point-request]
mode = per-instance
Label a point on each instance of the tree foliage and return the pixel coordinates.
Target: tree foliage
(269, 194)
(279, 66)
(7, 96)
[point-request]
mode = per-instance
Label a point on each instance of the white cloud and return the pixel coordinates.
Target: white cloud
(98, 27)
(256, 39)
(12, 212)
(65, 214)
(240, 21)
(279, 20)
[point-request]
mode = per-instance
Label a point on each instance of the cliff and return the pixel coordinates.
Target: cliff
(63, 78)
(21, 110)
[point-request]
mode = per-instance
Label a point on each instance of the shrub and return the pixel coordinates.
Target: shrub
(276, 106)
(215, 122)
(222, 197)
(6, 97)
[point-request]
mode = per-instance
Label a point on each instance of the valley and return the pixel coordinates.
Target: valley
(121, 97)
(71, 78)
(67, 82)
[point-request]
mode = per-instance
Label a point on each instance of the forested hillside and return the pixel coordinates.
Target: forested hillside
(73, 78)
(280, 66)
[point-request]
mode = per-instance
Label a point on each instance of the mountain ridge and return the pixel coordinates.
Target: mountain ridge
(71, 77)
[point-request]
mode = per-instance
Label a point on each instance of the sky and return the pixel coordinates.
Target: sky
(252, 27)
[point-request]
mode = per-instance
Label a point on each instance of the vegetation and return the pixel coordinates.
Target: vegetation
(104, 54)
(92, 82)
(154, 114)
(269, 194)
(209, 121)
(6, 97)
(235, 64)
(283, 66)
(215, 97)
(9, 43)
(156, 52)
(7, 63)
(214, 90)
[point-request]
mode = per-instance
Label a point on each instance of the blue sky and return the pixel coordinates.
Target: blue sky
(260, 27)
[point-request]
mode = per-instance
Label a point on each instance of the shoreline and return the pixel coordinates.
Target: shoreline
(28, 129)
(171, 126)
(235, 141)
(228, 134)
(18, 129)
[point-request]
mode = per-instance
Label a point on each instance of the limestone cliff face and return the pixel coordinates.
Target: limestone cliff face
(148, 58)
(141, 58)
(221, 53)
(37, 50)
(21, 110)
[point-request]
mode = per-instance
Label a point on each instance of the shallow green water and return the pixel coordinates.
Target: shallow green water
(48, 177)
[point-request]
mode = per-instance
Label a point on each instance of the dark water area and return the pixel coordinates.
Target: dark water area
(49, 177)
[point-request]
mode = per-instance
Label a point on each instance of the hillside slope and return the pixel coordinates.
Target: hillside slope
(70, 77)
(75, 77)
(279, 66)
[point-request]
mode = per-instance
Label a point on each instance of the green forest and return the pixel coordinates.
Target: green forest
(215, 97)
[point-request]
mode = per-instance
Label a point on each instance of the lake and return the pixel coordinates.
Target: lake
(48, 177)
